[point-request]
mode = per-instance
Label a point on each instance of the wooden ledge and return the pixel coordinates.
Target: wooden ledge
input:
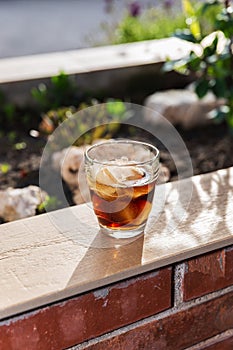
(92, 59)
(53, 256)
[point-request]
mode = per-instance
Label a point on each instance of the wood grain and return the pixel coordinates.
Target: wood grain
(57, 255)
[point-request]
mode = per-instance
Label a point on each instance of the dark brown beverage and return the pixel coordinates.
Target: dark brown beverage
(122, 206)
(121, 175)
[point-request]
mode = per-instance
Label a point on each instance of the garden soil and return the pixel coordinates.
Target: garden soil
(210, 148)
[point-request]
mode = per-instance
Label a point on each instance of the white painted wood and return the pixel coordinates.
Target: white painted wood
(50, 257)
(92, 59)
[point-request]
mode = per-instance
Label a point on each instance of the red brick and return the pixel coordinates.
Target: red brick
(208, 273)
(178, 331)
(226, 344)
(33, 332)
(92, 314)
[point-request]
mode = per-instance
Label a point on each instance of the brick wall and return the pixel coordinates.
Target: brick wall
(188, 305)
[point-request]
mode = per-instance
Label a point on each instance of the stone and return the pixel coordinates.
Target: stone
(181, 107)
(68, 162)
(19, 203)
(78, 198)
(164, 174)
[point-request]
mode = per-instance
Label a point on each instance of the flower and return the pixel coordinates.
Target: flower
(168, 4)
(134, 9)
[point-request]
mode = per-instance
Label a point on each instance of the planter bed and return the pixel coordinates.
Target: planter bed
(117, 72)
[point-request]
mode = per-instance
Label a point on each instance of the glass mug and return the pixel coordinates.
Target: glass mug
(121, 175)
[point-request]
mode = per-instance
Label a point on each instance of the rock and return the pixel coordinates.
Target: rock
(77, 196)
(68, 162)
(181, 107)
(164, 175)
(19, 203)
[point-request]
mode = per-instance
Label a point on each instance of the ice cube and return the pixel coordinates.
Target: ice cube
(131, 174)
(142, 213)
(123, 160)
(105, 177)
(104, 185)
(135, 213)
(113, 182)
(107, 192)
(119, 175)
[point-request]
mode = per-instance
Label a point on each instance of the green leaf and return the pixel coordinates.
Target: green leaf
(219, 88)
(169, 66)
(202, 87)
(208, 5)
(222, 67)
(188, 8)
(20, 145)
(212, 60)
(60, 80)
(9, 110)
(195, 27)
(230, 121)
(212, 48)
(185, 35)
(179, 66)
(192, 19)
(115, 107)
(50, 203)
(219, 114)
(5, 168)
(194, 62)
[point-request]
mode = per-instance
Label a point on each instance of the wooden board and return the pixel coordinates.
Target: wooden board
(39, 66)
(57, 255)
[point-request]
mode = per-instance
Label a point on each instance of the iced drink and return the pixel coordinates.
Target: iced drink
(122, 188)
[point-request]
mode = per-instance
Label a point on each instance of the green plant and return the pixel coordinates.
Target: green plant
(20, 145)
(7, 112)
(50, 203)
(5, 168)
(211, 61)
(54, 117)
(107, 117)
(62, 91)
(153, 23)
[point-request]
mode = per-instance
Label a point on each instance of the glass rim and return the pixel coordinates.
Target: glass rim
(142, 143)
